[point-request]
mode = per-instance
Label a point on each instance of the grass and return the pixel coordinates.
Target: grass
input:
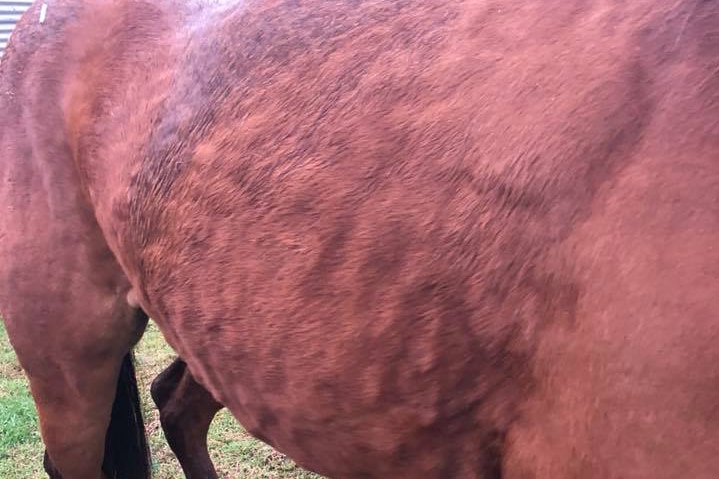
(20, 446)
(234, 452)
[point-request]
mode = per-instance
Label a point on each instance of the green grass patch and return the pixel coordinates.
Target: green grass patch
(21, 449)
(18, 421)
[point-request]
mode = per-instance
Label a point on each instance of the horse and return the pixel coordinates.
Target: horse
(186, 413)
(471, 239)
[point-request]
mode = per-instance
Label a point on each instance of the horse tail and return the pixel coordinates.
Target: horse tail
(127, 454)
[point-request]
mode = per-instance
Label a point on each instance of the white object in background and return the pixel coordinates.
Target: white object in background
(43, 13)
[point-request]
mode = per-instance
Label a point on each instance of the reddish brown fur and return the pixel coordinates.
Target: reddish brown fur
(418, 238)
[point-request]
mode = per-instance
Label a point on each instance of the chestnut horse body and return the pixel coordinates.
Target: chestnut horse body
(397, 239)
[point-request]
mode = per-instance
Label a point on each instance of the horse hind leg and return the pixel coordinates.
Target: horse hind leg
(125, 422)
(63, 299)
(186, 412)
(84, 388)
